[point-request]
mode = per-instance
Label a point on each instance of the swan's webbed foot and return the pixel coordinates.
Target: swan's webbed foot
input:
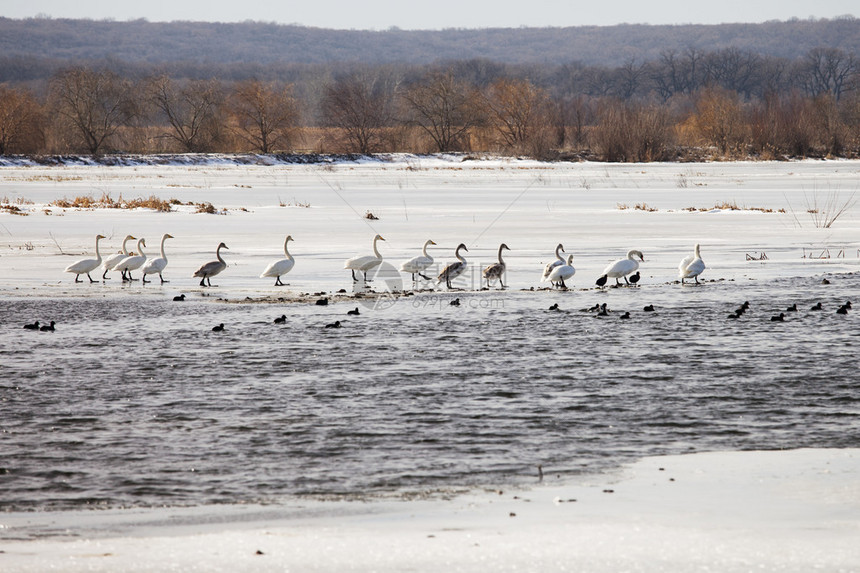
(162, 279)
(78, 279)
(202, 283)
(91, 278)
(425, 277)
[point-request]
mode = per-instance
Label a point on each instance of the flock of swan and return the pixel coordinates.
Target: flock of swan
(555, 272)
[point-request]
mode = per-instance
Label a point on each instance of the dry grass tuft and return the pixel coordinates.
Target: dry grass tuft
(726, 206)
(13, 209)
(645, 207)
(108, 202)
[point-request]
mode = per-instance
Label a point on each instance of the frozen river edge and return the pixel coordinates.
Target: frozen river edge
(795, 510)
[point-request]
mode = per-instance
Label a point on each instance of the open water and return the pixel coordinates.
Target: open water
(134, 401)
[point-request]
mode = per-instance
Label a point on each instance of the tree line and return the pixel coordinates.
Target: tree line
(685, 104)
(82, 41)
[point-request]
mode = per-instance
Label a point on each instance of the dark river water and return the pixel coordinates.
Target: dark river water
(136, 402)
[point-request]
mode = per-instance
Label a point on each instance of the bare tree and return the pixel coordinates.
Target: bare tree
(718, 120)
(519, 113)
(21, 122)
(627, 131)
(827, 70)
(677, 73)
(361, 106)
(629, 79)
(445, 109)
(733, 69)
(574, 115)
(264, 113)
(191, 111)
(95, 104)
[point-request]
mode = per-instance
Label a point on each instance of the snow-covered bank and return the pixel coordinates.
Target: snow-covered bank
(734, 511)
(227, 159)
(598, 211)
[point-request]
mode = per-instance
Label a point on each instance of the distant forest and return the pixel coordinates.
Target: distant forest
(619, 93)
(35, 48)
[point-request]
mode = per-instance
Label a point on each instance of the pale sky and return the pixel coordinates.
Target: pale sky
(435, 14)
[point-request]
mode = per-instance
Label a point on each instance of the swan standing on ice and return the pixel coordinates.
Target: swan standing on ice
(621, 268)
(691, 266)
(153, 266)
(281, 266)
(366, 262)
(496, 270)
(86, 266)
(561, 273)
(132, 263)
(559, 260)
(418, 264)
(212, 268)
(453, 270)
(110, 262)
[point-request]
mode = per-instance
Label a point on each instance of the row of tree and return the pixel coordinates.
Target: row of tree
(693, 101)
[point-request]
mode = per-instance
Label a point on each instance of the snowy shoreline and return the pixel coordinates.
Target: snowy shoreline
(796, 510)
(530, 206)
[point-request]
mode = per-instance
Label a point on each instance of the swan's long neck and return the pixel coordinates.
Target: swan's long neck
(286, 251)
(163, 256)
(424, 250)
(140, 248)
(459, 256)
(557, 254)
(124, 246)
(375, 250)
(698, 256)
(98, 255)
(630, 255)
(500, 256)
(218, 255)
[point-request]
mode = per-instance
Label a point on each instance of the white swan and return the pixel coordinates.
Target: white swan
(366, 262)
(691, 266)
(453, 270)
(562, 272)
(559, 260)
(153, 266)
(496, 270)
(212, 268)
(132, 263)
(622, 268)
(281, 266)
(111, 261)
(418, 264)
(86, 266)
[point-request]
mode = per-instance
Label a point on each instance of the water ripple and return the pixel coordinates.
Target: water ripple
(137, 402)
